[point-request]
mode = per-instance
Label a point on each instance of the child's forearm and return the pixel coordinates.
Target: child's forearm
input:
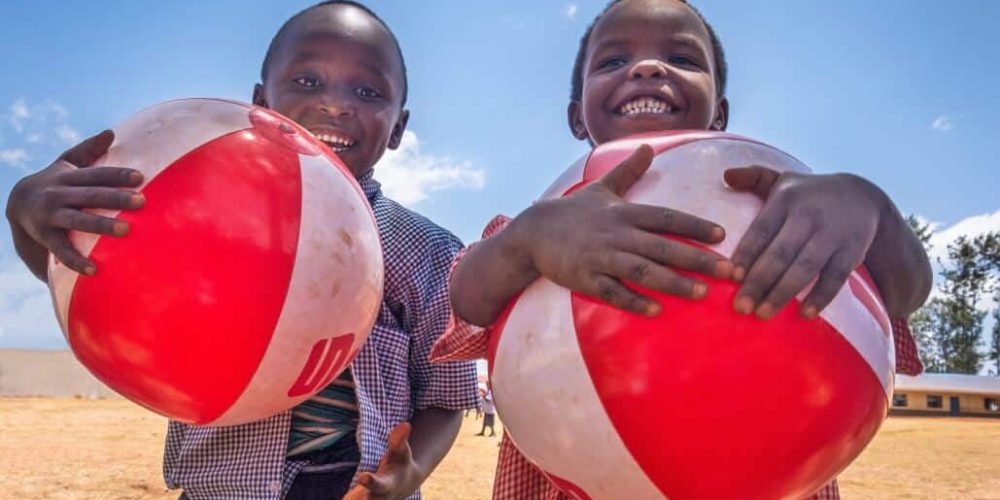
(898, 264)
(490, 274)
(433, 433)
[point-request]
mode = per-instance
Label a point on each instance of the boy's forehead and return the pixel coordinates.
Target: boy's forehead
(649, 18)
(345, 24)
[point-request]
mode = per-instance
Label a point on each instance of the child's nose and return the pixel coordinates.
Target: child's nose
(336, 106)
(648, 68)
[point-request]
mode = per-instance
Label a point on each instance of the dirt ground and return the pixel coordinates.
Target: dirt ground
(111, 449)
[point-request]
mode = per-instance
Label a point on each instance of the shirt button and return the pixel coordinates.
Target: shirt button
(274, 487)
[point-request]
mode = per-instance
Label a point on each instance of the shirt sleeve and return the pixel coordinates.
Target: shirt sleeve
(907, 358)
(462, 340)
(452, 385)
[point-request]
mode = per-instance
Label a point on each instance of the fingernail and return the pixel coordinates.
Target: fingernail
(120, 229)
(136, 200)
(89, 270)
(765, 311)
(743, 305)
(653, 310)
(718, 234)
(699, 290)
(724, 269)
(135, 177)
(810, 312)
(739, 273)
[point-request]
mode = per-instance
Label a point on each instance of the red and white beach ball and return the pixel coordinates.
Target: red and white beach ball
(700, 402)
(248, 281)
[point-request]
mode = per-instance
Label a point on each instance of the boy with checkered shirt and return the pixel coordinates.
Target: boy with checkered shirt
(383, 426)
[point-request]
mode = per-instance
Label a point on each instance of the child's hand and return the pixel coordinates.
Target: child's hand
(592, 240)
(397, 476)
(811, 226)
(45, 205)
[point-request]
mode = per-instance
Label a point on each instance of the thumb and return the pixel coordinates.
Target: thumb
(621, 178)
(399, 443)
(755, 179)
(88, 151)
(374, 483)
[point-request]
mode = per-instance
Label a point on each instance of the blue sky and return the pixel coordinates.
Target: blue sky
(900, 91)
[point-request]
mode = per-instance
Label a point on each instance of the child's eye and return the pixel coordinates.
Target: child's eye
(683, 61)
(612, 63)
(368, 93)
(308, 82)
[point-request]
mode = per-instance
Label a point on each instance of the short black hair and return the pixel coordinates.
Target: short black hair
(350, 3)
(721, 67)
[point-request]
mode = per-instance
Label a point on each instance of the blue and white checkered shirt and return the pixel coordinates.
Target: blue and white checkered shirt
(393, 374)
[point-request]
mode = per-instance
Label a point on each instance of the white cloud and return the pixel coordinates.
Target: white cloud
(26, 315)
(969, 227)
(67, 134)
(410, 176)
(942, 124)
(13, 157)
(33, 130)
(571, 9)
(18, 113)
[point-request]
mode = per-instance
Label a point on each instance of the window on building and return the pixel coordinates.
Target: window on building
(899, 400)
(991, 405)
(934, 401)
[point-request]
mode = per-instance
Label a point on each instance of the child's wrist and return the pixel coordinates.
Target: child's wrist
(516, 243)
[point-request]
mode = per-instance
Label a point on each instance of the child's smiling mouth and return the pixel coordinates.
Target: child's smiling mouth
(338, 142)
(645, 105)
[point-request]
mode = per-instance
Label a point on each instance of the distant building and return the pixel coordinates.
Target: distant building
(946, 394)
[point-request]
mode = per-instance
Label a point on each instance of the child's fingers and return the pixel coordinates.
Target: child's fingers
(754, 179)
(101, 197)
(806, 267)
(673, 222)
(78, 220)
(103, 177)
(757, 238)
(619, 296)
(676, 254)
(62, 249)
(88, 151)
(831, 280)
(770, 266)
(623, 176)
(649, 274)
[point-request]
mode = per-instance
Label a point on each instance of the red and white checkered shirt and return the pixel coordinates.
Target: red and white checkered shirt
(516, 477)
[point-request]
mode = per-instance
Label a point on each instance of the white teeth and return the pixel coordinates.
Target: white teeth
(336, 142)
(645, 105)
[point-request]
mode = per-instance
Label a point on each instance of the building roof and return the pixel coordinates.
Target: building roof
(949, 383)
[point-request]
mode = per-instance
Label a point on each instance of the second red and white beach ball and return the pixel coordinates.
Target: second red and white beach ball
(699, 402)
(248, 281)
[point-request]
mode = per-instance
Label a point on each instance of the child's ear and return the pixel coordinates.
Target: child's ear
(398, 129)
(258, 96)
(721, 120)
(575, 116)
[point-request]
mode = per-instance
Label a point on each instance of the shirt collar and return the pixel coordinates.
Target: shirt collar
(369, 185)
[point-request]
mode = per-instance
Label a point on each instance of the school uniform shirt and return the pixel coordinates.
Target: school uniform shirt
(516, 477)
(392, 373)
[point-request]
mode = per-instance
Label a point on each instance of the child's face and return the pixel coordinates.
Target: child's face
(336, 72)
(648, 67)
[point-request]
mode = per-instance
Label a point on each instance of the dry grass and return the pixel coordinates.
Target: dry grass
(110, 449)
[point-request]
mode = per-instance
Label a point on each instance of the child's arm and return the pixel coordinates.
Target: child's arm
(589, 241)
(44, 206)
(412, 455)
(823, 227)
